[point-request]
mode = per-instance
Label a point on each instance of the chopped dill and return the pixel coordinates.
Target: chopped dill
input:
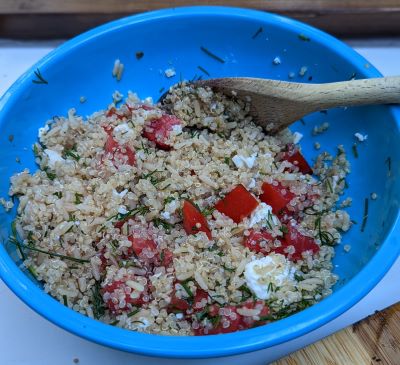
(145, 149)
(229, 269)
(58, 194)
(78, 198)
(207, 211)
(15, 238)
(153, 179)
(50, 175)
(97, 301)
(130, 314)
(355, 151)
(365, 216)
(388, 162)
(65, 300)
(246, 293)
(139, 55)
(257, 33)
(329, 185)
(142, 210)
(40, 79)
(202, 69)
(71, 153)
(169, 199)
(161, 90)
(187, 289)
(51, 254)
(212, 55)
(158, 222)
(303, 37)
(194, 133)
(302, 121)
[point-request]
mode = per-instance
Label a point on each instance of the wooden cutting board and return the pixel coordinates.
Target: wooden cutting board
(372, 341)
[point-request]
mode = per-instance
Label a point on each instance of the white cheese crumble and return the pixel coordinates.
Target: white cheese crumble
(43, 131)
(262, 212)
(242, 161)
(169, 72)
(297, 137)
(172, 206)
(252, 184)
(121, 194)
(123, 133)
(177, 128)
(122, 209)
(361, 137)
(276, 61)
(303, 71)
(265, 274)
(165, 215)
(53, 157)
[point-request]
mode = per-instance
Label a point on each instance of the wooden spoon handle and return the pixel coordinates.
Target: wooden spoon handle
(384, 90)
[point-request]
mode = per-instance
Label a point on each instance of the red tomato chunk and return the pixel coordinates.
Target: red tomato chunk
(144, 248)
(193, 220)
(300, 243)
(123, 154)
(120, 297)
(237, 204)
(294, 156)
(277, 196)
(258, 241)
(159, 130)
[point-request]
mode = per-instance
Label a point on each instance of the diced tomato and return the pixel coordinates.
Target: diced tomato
(249, 321)
(118, 289)
(300, 243)
(166, 257)
(114, 111)
(178, 304)
(294, 156)
(120, 223)
(227, 322)
(120, 153)
(158, 130)
(200, 300)
(237, 204)
(258, 241)
(144, 248)
(277, 196)
(103, 260)
(193, 220)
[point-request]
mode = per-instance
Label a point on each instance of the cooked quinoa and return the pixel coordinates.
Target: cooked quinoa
(162, 221)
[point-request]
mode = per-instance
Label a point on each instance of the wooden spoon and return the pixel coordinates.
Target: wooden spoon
(277, 104)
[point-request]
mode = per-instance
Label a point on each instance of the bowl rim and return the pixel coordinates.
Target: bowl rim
(215, 345)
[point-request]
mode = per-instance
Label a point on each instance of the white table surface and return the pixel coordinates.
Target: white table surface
(28, 339)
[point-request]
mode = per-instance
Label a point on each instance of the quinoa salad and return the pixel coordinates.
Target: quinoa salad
(179, 218)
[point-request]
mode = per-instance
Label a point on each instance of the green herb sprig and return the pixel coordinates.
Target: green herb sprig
(51, 254)
(40, 79)
(98, 306)
(257, 33)
(365, 215)
(158, 222)
(212, 55)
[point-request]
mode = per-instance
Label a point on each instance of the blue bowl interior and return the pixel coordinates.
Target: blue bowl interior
(173, 38)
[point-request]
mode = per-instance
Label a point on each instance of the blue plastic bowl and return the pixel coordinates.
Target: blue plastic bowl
(172, 38)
